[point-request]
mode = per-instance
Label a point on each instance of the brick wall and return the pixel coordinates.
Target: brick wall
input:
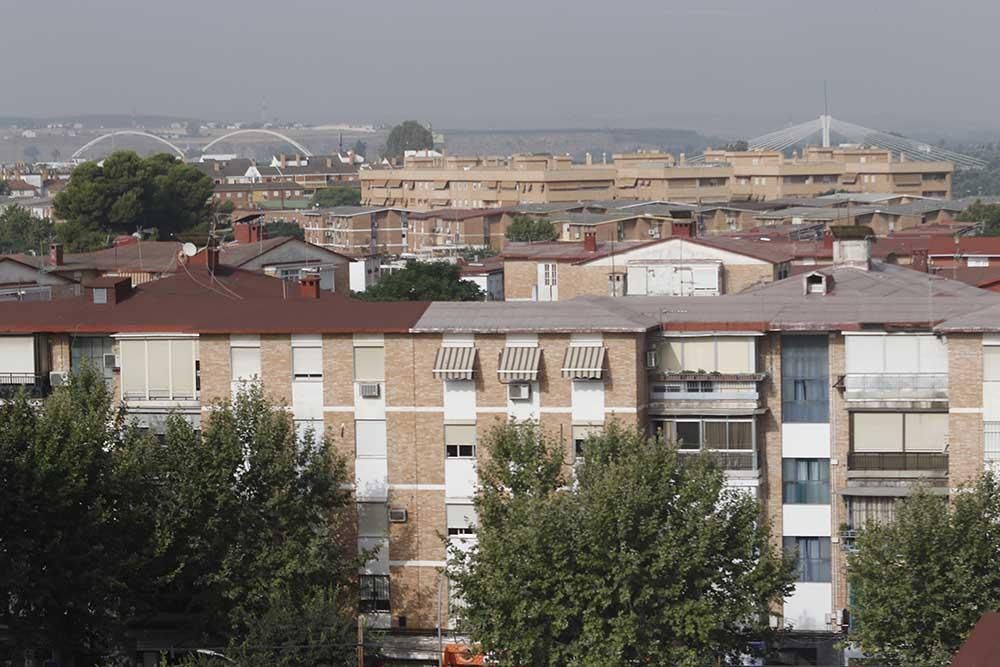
(59, 352)
(738, 277)
(840, 435)
(213, 352)
(518, 279)
(965, 401)
(276, 367)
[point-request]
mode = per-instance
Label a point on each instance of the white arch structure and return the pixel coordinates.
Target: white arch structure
(135, 133)
(302, 149)
(823, 126)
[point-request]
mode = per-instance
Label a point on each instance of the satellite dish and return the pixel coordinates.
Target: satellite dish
(189, 249)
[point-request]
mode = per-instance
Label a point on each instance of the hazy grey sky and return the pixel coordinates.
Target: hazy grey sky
(737, 66)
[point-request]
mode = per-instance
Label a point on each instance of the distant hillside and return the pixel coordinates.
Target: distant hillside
(576, 142)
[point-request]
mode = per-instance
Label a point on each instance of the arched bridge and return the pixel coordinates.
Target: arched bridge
(134, 133)
(302, 149)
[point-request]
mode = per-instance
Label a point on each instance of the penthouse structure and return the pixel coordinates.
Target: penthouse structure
(826, 396)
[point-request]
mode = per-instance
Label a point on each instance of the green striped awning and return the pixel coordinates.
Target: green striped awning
(519, 364)
(455, 363)
(584, 362)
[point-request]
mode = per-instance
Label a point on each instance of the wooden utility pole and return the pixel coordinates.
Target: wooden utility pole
(361, 640)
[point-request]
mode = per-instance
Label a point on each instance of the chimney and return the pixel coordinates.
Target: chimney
(589, 158)
(918, 260)
(56, 254)
(212, 257)
(590, 241)
(247, 232)
(682, 228)
(902, 156)
(682, 160)
(852, 246)
(329, 163)
(298, 159)
(216, 166)
(309, 285)
(283, 159)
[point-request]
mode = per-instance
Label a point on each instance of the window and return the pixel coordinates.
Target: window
(899, 431)
(373, 520)
(805, 383)
(862, 511)
(580, 436)
(813, 557)
(307, 363)
(373, 593)
(991, 437)
(709, 354)
(716, 433)
(244, 363)
(460, 441)
(806, 481)
(461, 519)
(158, 369)
(904, 354)
(991, 363)
(100, 295)
(370, 439)
(369, 364)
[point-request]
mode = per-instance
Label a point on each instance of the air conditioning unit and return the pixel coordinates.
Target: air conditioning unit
(654, 233)
(651, 359)
(397, 515)
(519, 391)
(370, 389)
(58, 378)
(110, 361)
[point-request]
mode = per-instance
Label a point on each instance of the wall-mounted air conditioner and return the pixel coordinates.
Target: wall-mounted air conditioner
(397, 515)
(58, 378)
(519, 391)
(369, 389)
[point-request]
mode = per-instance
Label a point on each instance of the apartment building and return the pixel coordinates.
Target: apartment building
(683, 182)
(826, 396)
(676, 266)
(444, 182)
(454, 228)
(359, 230)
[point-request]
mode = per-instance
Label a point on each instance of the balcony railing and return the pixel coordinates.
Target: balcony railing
(36, 386)
(669, 387)
(898, 461)
(736, 460)
(896, 386)
(373, 593)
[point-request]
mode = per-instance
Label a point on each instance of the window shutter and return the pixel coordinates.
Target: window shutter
(158, 363)
(133, 368)
(878, 432)
(369, 363)
(182, 368)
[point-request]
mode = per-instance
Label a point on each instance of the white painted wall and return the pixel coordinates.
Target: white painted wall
(806, 608)
(805, 441)
(459, 479)
(587, 400)
(369, 408)
(523, 410)
(805, 520)
(459, 400)
(677, 249)
(371, 479)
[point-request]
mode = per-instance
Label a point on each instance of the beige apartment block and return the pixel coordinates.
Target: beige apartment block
(359, 230)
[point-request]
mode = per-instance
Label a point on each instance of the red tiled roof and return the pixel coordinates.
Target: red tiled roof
(964, 245)
(193, 301)
(20, 184)
(982, 647)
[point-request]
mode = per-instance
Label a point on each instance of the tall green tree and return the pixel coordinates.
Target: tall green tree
(423, 281)
(338, 195)
(644, 559)
(72, 519)
(987, 214)
(524, 228)
(248, 523)
(21, 232)
(921, 582)
(127, 192)
(407, 136)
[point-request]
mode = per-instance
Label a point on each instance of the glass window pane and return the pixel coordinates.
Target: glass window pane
(182, 368)
(158, 363)
(688, 435)
(715, 434)
(245, 363)
(307, 362)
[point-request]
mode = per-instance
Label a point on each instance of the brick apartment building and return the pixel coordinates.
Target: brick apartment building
(824, 395)
(722, 176)
(359, 230)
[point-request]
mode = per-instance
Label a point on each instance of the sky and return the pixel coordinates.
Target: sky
(736, 67)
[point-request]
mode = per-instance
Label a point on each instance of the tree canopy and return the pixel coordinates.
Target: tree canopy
(338, 195)
(407, 136)
(21, 232)
(988, 214)
(230, 535)
(527, 229)
(423, 281)
(921, 582)
(127, 192)
(644, 559)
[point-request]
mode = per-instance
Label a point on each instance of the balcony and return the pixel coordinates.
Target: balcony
(896, 387)
(898, 462)
(678, 392)
(729, 460)
(36, 386)
(373, 593)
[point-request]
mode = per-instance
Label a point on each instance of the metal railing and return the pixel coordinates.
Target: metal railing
(898, 386)
(728, 459)
(36, 386)
(373, 593)
(899, 461)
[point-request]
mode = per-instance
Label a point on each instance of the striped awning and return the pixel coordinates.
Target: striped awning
(584, 362)
(455, 363)
(519, 364)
